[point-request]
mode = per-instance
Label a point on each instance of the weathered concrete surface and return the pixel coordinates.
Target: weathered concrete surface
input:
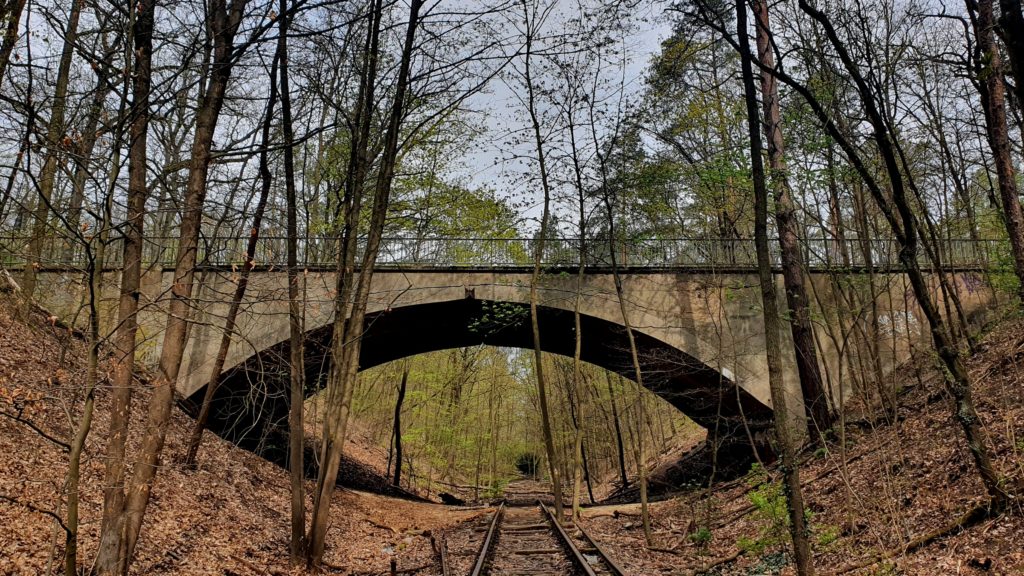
(712, 318)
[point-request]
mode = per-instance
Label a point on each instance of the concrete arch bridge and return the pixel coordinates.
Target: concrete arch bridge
(694, 305)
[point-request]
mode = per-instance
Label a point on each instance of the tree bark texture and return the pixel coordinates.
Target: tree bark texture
(225, 20)
(110, 558)
(989, 69)
(10, 19)
(296, 368)
(772, 324)
(816, 401)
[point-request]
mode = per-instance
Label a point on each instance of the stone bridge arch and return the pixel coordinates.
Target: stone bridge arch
(417, 312)
(702, 328)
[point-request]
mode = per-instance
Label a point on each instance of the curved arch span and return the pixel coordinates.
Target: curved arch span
(251, 403)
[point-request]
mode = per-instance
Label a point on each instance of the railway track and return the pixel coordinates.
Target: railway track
(522, 540)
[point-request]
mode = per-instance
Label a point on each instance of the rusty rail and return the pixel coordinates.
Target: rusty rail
(574, 551)
(485, 549)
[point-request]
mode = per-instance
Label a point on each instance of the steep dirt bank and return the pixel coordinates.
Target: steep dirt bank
(894, 484)
(230, 516)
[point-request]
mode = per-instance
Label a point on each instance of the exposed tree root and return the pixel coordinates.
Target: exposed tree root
(722, 560)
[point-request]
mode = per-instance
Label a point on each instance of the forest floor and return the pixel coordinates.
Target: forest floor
(892, 483)
(895, 484)
(230, 516)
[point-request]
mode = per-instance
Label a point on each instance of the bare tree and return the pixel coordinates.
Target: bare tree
(54, 142)
(110, 558)
(297, 370)
(816, 401)
(532, 17)
(770, 310)
(349, 317)
(266, 179)
(338, 385)
(901, 219)
(224, 22)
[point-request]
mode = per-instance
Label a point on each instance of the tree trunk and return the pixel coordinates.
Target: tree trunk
(351, 205)
(1011, 24)
(296, 352)
(989, 70)
(346, 344)
(586, 473)
(266, 179)
(94, 267)
(54, 136)
(815, 399)
(224, 24)
(772, 323)
(620, 448)
(577, 383)
(336, 410)
(10, 19)
(641, 460)
(542, 394)
(110, 558)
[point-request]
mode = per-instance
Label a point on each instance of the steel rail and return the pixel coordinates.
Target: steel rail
(442, 550)
(616, 570)
(575, 553)
(485, 550)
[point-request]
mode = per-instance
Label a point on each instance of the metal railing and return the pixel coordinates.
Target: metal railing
(406, 252)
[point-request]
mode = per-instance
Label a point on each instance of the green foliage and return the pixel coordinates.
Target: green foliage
(497, 316)
(701, 537)
(770, 509)
(750, 545)
(699, 182)
(470, 413)
(825, 535)
(496, 488)
(772, 512)
(1002, 277)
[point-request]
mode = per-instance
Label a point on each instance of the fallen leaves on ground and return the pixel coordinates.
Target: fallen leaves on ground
(230, 516)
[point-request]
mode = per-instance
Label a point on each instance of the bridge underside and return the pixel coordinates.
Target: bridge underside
(251, 403)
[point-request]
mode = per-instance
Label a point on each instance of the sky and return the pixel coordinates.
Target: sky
(492, 163)
(489, 161)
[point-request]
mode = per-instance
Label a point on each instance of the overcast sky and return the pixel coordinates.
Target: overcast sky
(492, 164)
